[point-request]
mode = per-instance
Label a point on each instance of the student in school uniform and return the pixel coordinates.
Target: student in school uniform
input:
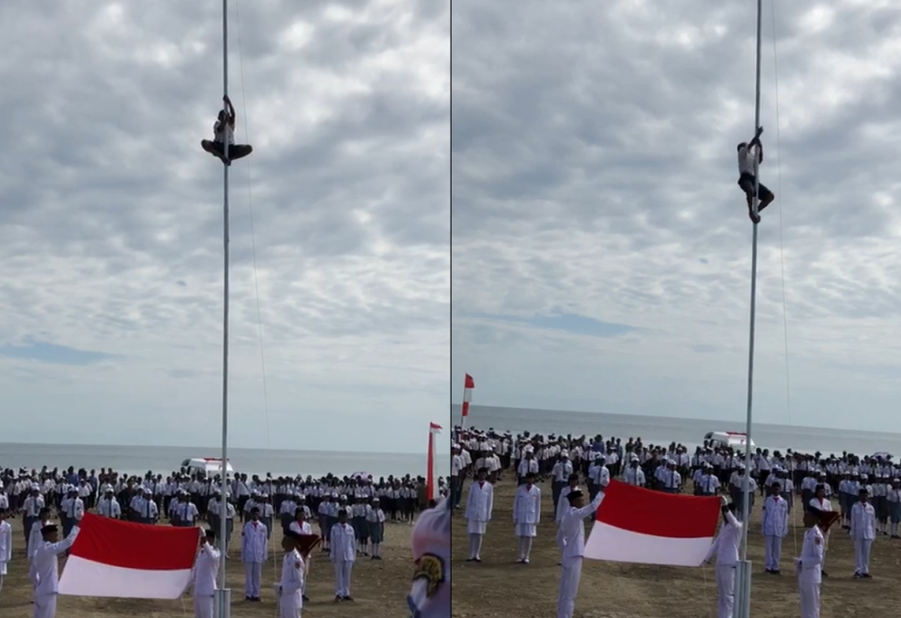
(893, 500)
(254, 550)
(725, 548)
(6, 546)
(343, 555)
(203, 576)
(293, 579)
(35, 538)
(571, 541)
(527, 515)
(479, 506)
(774, 527)
(44, 570)
(821, 503)
(808, 565)
(71, 509)
(863, 533)
(375, 521)
(358, 521)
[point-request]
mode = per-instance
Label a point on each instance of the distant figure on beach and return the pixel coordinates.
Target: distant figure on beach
(526, 515)
(725, 548)
(343, 553)
(224, 129)
(863, 533)
(6, 545)
(747, 151)
(571, 541)
(775, 527)
(254, 548)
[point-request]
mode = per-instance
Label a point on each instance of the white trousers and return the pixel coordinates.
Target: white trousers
(475, 545)
(569, 588)
(203, 606)
(772, 552)
(525, 547)
(289, 605)
(862, 555)
(725, 591)
(810, 599)
(45, 606)
(343, 570)
(253, 573)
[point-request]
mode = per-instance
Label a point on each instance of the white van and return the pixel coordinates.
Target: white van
(730, 439)
(208, 466)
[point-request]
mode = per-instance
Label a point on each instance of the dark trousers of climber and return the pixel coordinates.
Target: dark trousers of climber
(235, 151)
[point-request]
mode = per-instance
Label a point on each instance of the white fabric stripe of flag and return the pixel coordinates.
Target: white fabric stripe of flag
(467, 395)
(87, 578)
(613, 544)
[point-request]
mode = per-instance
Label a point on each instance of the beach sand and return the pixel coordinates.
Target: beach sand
(379, 588)
(500, 587)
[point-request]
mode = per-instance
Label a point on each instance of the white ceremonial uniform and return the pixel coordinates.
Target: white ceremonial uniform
(775, 527)
(810, 574)
(479, 506)
(343, 552)
(254, 547)
(44, 573)
(526, 517)
(291, 585)
(571, 541)
(863, 533)
(206, 568)
(725, 547)
(6, 549)
(306, 528)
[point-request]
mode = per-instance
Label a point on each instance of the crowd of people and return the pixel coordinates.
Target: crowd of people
(350, 514)
(860, 493)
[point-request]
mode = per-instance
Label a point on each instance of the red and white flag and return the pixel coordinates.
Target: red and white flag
(431, 475)
(468, 385)
(112, 558)
(652, 527)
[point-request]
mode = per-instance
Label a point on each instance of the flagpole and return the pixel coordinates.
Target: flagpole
(743, 573)
(223, 594)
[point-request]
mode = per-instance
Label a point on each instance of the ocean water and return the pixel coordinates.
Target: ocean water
(166, 459)
(690, 432)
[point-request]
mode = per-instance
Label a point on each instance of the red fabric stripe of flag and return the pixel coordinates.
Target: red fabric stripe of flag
(468, 385)
(469, 382)
(634, 524)
(434, 427)
(112, 558)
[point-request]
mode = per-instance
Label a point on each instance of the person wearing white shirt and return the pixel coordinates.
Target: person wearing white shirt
(109, 506)
(293, 580)
(72, 508)
(821, 503)
(808, 566)
(725, 548)
(526, 515)
(747, 167)
(254, 548)
(300, 526)
(598, 475)
(774, 527)
(479, 505)
(863, 533)
(343, 554)
(203, 576)
(44, 571)
(6, 545)
(893, 499)
(561, 472)
(571, 541)
(634, 475)
(224, 132)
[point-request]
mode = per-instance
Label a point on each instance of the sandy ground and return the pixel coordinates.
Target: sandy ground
(379, 588)
(499, 586)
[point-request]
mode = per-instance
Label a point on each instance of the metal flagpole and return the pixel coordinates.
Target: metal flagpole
(743, 572)
(223, 595)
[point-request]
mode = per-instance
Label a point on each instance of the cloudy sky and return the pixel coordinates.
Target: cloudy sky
(601, 247)
(111, 223)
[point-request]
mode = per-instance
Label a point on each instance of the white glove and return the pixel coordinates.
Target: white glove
(724, 500)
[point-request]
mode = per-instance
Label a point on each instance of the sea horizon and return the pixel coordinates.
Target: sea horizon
(661, 430)
(139, 459)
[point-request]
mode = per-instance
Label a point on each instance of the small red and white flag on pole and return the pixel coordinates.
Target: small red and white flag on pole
(468, 385)
(634, 524)
(112, 558)
(431, 475)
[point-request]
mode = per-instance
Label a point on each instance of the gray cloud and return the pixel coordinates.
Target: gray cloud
(594, 174)
(111, 218)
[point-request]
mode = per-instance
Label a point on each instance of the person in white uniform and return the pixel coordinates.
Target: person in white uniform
(6, 546)
(775, 527)
(725, 548)
(430, 593)
(44, 571)
(206, 567)
(302, 527)
(863, 533)
(571, 541)
(526, 515)
(343, 552)
(254, 548)
(291, 585)
(809, 564)
(479, 505)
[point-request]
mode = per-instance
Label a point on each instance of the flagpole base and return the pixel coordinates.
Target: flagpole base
(742, 607)
(223, 603)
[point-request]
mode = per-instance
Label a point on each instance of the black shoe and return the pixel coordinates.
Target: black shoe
(824, 573)
(246, 598)
(470, 559)
(338, 598)
(305, 598)
(348, 599)
(866, 576)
